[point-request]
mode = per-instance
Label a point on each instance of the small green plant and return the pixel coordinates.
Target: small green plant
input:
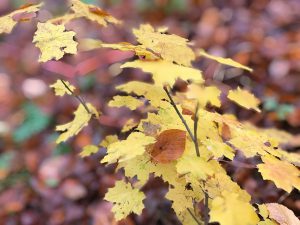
(181, 140)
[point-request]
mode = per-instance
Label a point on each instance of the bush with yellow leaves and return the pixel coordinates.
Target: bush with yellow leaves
(180, 140)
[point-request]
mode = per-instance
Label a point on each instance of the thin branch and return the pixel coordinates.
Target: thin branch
(179, 114)
(196, 119)
(79, 98)
(206, 211)
(194, 217)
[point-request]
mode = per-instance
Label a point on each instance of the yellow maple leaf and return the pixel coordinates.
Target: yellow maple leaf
(81, 119)
(151, 92)
(125, 199)
(130, 124)
(183, 198)
(244, 99)
(229, 209)
(218, 148)
(141, 166)
(88, 150)
(127, 149)
(164, 72)
(8, 22)
(225, 61)
(171, 48)
(60, 88)
(196, 166)
(282, 214)
(204, 95)
(283, 174)
(109, 139)
(53, 41)
(125, 101)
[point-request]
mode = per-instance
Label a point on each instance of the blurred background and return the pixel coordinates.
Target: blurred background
(44, 183)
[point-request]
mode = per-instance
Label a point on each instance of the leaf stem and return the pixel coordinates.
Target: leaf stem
(206, 211)
(78, 97)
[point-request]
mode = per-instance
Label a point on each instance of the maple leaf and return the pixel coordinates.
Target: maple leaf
(88, 150)
(282, 214)
(244, 99)
(125, 199)
(283, 174)
(93, 13)
(127, 149)
(53, 41)
(229, 209)
(225, 61)
(204, 95)
(109, 139)
(171, 48)
(60, 88)
(141, 167)
(182, 198)
(81, 119)
(151, 92)
(130, 124)
(164, 72)
(218, 148)
(198, 167)
(8, 22)
(125, 101)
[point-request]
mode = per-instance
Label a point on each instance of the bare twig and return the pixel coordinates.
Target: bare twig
(194, 217)
(79, 98)
(196, 119)
(179, 114)
(206, 211)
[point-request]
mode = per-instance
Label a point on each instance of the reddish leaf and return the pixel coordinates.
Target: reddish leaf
(169, 146)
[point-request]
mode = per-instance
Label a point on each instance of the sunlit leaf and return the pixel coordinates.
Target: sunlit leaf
(61, 89)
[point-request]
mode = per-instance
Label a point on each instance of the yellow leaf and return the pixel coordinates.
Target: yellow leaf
(139, 50)
(125, 200)
(93, 13)
(282, 214)
(195, 166)
(142, 166)
(127, 149)
(164, 72)
(225, 61)
(7, 22)
(218, 148)
(182, 198)
(244, 99)
(150, 91)
(229, 209)
(267, 222)
(60, 88)
(109, 139)
(53, 41)
(171, 48)
(125, 101)
(283, 174)
(89, 150)
(130, 124)
(81, 119)
(204, 95)
(263, 211)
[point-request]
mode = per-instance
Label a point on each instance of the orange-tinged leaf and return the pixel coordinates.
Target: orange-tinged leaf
(24, 13)
(244, 99)
(282, 214)
(169, 146)
(283, 174)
